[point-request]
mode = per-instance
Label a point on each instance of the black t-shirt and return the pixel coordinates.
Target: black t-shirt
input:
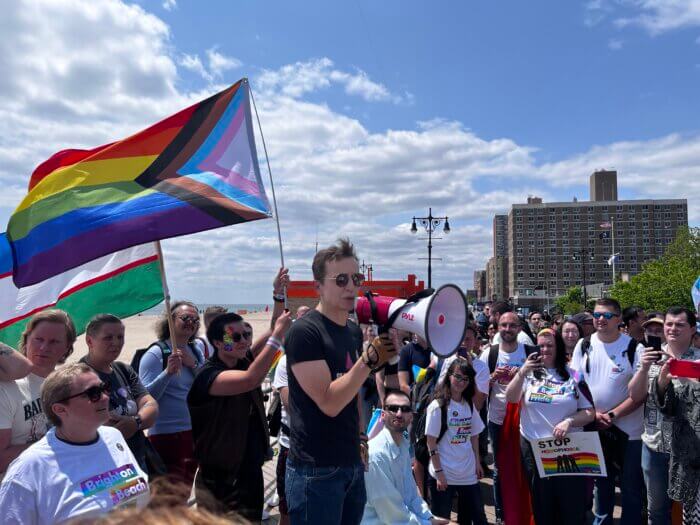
(413, 354)
(315, 437)
(227, 430)
(125, 391)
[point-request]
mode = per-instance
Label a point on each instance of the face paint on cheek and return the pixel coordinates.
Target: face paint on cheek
(228, 340)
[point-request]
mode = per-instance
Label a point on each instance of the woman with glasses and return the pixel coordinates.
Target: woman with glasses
(452, 429)
(80, 468)
(570, 332)
(132, 409)
(47, 341)
(167, 371)
(551, 405)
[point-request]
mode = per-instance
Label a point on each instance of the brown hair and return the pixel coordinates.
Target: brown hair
(609, 302)
(162, 328)
(57, 387)
(211, 312)
(49, 316)
(342, 250)
(97, 322)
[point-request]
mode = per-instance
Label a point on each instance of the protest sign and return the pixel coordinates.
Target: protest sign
(576, 454)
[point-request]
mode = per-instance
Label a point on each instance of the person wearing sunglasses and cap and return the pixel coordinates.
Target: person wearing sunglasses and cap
(326, 365)
(229, 424)
(80, 468)
(607, 362)
(391, 487)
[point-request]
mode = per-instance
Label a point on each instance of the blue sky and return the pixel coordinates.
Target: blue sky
(373, 111)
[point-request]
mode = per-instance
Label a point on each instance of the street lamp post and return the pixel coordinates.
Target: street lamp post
(430, 224)
(583, 254)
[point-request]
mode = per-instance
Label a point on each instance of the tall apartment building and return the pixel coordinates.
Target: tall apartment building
(500, 235)
(551, 244)
(497, 278)
(480, 285)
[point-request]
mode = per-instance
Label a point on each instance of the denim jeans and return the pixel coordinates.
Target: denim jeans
(495, 437)
(655, 467)
(328, 495)
(631, 486)
(470, 506)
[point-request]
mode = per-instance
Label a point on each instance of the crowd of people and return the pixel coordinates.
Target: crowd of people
(87, 440)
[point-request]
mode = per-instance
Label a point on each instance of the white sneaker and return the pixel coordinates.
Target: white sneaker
(273, 501)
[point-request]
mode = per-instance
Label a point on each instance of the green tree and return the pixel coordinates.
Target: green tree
(571, 302)
(666, 281)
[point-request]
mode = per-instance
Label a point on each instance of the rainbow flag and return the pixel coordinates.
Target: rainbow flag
(191, 172)
(576, 463)
(123, 283)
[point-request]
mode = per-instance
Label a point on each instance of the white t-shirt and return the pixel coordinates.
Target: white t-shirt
(547, 402)
(497, 397)
(481, 370)
(609, 377)
(455, 447)
(20, 409)
(523, 339)
(280, 381)
(54, 482)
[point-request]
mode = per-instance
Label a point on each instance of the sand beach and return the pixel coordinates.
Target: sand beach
(140, 333)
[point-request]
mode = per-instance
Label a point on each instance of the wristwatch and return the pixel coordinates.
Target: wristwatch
(611, 414)
(139, 422)
(278, 298)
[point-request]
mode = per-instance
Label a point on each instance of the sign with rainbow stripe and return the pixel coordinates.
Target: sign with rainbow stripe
(576, 454)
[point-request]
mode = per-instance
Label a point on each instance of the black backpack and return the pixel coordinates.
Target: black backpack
(165, 353)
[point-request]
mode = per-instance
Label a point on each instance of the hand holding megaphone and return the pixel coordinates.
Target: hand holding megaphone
(379, 352)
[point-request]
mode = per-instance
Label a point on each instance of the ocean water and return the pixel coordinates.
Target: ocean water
(251, 307)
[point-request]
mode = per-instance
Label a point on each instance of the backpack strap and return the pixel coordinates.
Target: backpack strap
(443, 421)
(165, 352)
(493, 357)
(631, 350)
(585, 350)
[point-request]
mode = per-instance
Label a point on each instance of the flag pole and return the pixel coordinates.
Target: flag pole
(166, 295)
(272, 183)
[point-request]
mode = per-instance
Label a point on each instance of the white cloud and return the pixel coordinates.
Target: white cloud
(656, 16)
(295, 80)
(220, 63)
(169, 5)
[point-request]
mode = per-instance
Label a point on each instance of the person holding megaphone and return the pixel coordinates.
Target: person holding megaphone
(327, 365)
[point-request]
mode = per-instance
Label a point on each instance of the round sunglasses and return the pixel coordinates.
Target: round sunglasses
(94, 393)
(342, 279)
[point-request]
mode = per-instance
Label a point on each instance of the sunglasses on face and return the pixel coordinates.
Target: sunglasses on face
(606, 315)
(236, 336)
(342, 279)
(94, 393)
(460, 377)
(189, 319)
(394, 409)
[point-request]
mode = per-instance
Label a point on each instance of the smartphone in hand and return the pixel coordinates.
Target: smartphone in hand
(655, 343)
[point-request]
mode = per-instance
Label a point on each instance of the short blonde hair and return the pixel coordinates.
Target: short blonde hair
(50, 316)
(57, 387)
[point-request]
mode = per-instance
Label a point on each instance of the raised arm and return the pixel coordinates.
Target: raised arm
(13, 365)
(232, 382)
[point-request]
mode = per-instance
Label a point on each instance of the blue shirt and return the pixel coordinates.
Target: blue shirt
(392, 495)
(170, 390)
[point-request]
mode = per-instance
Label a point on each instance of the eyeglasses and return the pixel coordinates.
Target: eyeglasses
(460, 377)
(342, 279)
(189, 319)
(394, 409)
(236, 336)
(607, 315)
(94, 393)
